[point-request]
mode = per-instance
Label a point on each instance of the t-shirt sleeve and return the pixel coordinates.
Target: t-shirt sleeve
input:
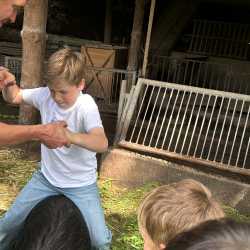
(91, 116)
(34, 96)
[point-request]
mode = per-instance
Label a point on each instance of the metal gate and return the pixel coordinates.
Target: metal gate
(187, 122)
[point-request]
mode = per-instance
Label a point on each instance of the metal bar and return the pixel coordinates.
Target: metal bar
(245, 159)
(146, 133)
(231, 123)
(163, 68)
(203, 33)
(176, 120)
(185, 72)
(196, 121)
(138, 114)
(233, 38)
(156, 122)
(142, 125)
(235, 135)
(222, 130)
(216, 124)
(242, 137)
(209, 123)
(129, 109)
(170, 119)
(196, 89)
(193, 36)
(163, 121)
(121, 99)
(122, 129)
(183, 119)
(175, 156)
(192, 72)
(189, 122)
(202, 124)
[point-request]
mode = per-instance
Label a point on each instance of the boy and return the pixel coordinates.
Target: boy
(170, 209)
(70, 171)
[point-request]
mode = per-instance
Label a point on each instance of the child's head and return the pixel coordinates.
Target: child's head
(65, 73)
(171, 209)
(224, 234)
(54, 223)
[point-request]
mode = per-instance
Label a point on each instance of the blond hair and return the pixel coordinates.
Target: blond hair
(171, 209)
(66, 65)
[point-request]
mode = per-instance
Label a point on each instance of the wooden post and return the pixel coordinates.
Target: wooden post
(136, 35)
(150, 24)
(108, 22)
(34, 43)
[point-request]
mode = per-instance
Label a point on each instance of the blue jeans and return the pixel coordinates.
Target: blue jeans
(86, 198)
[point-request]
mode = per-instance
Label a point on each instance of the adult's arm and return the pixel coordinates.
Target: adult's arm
(95, 140)
(52, 135)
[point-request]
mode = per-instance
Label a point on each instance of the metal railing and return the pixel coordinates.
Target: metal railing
(14, 65)
(220, 39)
(104, 84)
(234, 77)
(188, 122)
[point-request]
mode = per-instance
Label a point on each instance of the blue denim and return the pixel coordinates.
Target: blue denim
(86, 198)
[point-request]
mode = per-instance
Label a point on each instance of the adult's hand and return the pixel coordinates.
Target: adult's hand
(6, 78)
(53, 135)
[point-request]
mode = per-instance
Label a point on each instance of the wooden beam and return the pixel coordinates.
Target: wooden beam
(150, 24)
(108, 22)
(136, 34)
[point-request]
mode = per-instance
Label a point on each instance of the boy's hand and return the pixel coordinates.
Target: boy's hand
(54, 135)
(6, 78)
(68, 134)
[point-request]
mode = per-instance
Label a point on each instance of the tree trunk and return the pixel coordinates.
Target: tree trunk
(34, 42)
(108, 22)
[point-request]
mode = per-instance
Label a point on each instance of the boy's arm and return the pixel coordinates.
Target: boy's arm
(95, 140)
(12, 93)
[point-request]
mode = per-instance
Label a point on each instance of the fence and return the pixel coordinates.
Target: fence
(14, 65)
(234, 77)
(220, 39)
(105, 84)
(187, 122)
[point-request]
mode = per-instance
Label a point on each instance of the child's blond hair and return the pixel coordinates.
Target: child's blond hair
(66, 65)
(171, 209)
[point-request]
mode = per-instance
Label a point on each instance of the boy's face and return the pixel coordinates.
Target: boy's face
(64, 94)
(8, 10)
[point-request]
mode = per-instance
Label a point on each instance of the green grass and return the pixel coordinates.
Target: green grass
(120, 209)
(120, 204)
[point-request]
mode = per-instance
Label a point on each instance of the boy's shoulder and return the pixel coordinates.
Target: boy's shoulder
(86, 99)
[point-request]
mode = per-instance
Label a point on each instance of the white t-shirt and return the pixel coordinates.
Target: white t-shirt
(67, 167)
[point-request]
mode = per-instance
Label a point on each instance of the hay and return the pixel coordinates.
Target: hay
(14, 173)
(7, 195)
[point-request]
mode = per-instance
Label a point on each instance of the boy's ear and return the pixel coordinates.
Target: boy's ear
(82, 85)
(162, 246)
